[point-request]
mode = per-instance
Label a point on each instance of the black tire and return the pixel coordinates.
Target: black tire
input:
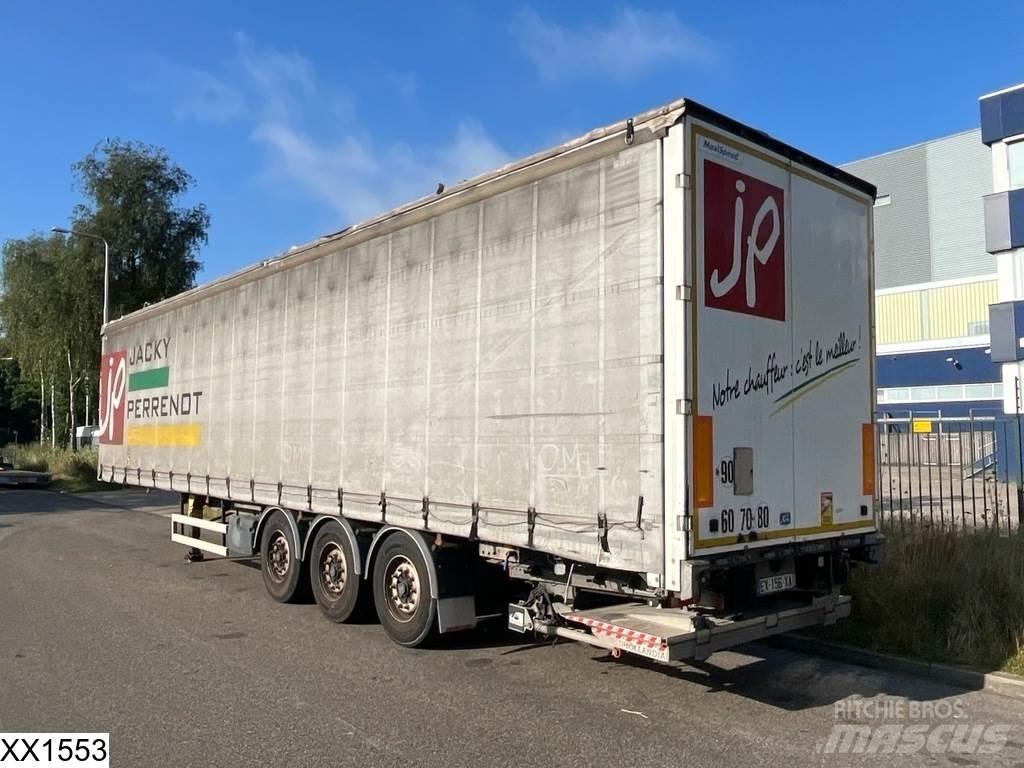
(279, 561)
(401, 592)
(337, 588)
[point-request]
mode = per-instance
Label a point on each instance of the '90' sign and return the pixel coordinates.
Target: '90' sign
(744, 243)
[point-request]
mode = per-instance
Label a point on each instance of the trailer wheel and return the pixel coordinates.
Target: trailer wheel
(279, 561)
(336, 585)
(401, 592)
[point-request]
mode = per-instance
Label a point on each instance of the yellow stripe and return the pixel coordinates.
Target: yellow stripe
(787, 533)
(181, 435)
(899, 317)
(944, 312)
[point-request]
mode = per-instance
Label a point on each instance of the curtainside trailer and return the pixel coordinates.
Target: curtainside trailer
(632, 374)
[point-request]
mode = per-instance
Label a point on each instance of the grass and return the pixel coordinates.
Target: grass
(73, 471)
(950, 597)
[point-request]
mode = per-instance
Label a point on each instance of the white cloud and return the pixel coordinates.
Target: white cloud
(360, 179)
(324, 171)
(628, 45)
(471, 152)
(208, 98)
(282, 81)
(283, 102)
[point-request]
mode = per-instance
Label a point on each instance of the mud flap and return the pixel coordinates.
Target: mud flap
(456, 613)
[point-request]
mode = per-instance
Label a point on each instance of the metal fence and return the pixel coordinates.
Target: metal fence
(953, 472)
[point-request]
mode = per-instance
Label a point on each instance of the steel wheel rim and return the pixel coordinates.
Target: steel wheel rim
(333, 570)
(403, 586)
(279, 557)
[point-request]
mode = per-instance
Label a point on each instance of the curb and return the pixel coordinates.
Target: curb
(1000, 683)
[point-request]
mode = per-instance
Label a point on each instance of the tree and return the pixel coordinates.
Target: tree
(32, 311)
(19, 399)
(132, 192)
(51, 300)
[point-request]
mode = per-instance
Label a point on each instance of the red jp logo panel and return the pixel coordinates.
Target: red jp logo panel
(113, 385)
(744, 243)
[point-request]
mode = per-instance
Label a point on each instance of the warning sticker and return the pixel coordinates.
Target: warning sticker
(826, 507)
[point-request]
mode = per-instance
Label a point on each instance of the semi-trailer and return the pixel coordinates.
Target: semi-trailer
(637, 365)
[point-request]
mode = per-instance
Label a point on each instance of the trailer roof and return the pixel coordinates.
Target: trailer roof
(698, 110)
(652, 121)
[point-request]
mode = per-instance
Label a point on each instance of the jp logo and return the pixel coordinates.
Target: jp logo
(743, 237)
(113, 385)
(721, 287)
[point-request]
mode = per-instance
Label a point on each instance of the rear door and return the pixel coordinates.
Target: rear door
(831, 397)
(779, 336)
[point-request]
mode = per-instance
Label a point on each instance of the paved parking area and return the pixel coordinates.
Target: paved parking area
(104, 627)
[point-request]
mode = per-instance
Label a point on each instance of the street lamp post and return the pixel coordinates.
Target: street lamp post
(106, 264)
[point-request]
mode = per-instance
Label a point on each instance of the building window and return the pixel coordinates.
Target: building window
(1015, 159)
(894, 395)
(881, 200)
(924, 394)
(953, 392)
(983, 391)
(947, 393)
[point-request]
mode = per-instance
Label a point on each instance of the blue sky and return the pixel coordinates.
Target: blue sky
(299, 118)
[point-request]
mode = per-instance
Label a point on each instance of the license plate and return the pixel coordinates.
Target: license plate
(780, 582)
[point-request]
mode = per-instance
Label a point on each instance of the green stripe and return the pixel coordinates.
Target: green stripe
(829, 372)
(151, 379)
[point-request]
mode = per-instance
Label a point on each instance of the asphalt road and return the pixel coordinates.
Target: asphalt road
(103, 627)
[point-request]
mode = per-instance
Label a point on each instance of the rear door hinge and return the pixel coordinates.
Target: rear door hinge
(602, 531)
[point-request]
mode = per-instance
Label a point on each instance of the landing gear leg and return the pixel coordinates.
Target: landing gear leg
(195, 509)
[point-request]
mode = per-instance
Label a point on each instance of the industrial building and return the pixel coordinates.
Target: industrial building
(945, 209)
